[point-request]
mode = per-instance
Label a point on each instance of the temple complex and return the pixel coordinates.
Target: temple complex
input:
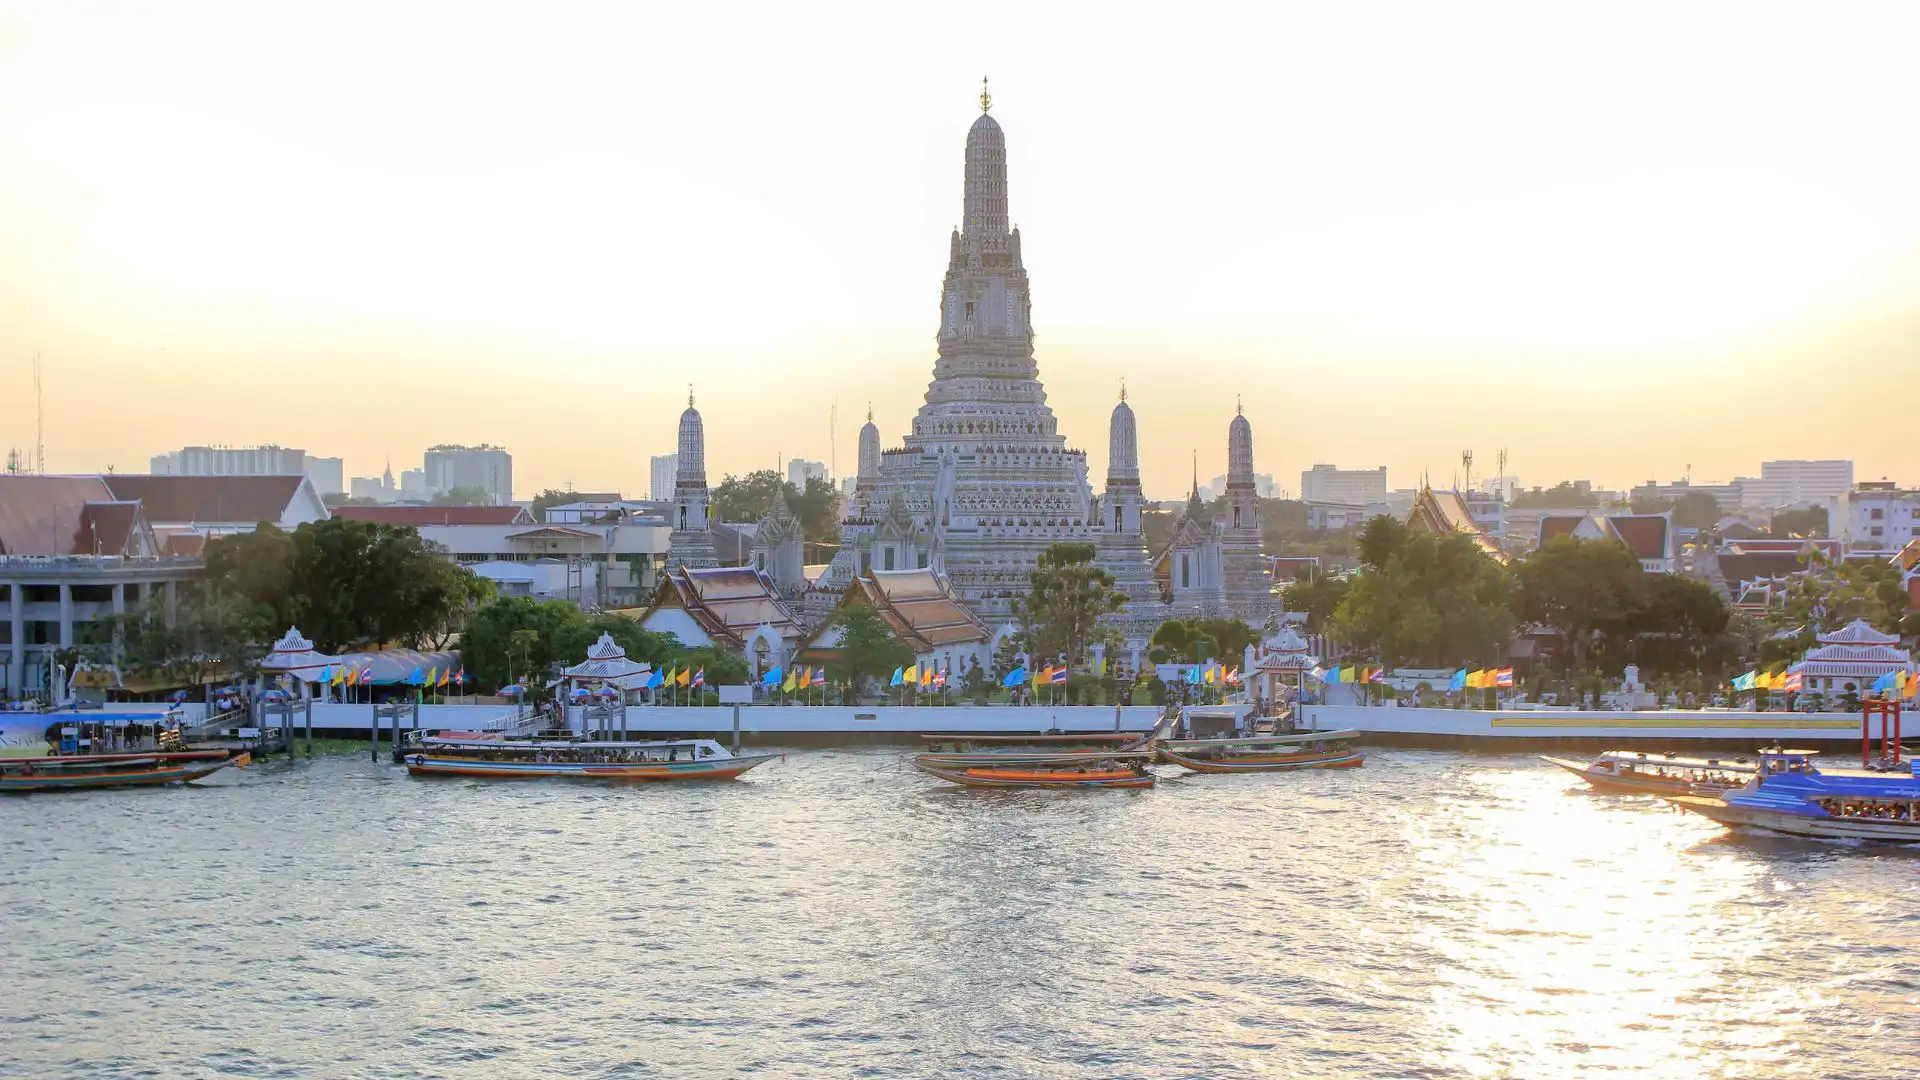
(1214, 568)
(691, 542)
(1121, 547)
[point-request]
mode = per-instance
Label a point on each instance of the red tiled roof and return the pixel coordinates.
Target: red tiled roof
(106, 528)
(1755, 565)
(728, 602)
(436, 515)
(183, 542)
(1552, 528)
(1645, 534)
(241, 500)
(41, 515)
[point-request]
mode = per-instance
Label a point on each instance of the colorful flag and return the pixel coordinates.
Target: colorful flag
(414, 679)
(1233, 677)
(787, 684)
(446, 677)
(1503, 678)
(897, 676)
(819, 676)
(1319, 672)
(460, 676)
(926, 677)
(1794, 683)
(1459, 680)
(1207, 675)
(700, 677)
(684, 677)
(657, 680)
(1377, 675)
(1332, 675)
(1016, 677)
(1059, 675)
(772, 678)
(913, 675)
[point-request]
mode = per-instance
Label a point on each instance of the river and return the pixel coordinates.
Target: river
(1433, 914)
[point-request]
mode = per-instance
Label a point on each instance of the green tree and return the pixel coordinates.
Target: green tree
(749, 498)
(573, 637)
(1577, 586)
(868, 647)
(1317, 597)
(548, 499)
(1156, 529)
(1693, 510)
(1431, 599)
(1381, 538)
(1564, 495)
(523, 631)
(818, 508)
(1068, 596)
(1809, 522)
(462, 496)
(207, 635)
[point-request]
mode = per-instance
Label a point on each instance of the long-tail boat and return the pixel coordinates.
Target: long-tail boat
(70, 771)
(1264, 753)
(579, 759)
(965, 751)
(1109, 769)
(1659, 774)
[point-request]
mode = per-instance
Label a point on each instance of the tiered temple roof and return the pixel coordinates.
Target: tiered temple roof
(917, 605)
(727, 603)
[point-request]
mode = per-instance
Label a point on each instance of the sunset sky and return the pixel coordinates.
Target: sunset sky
(1616, 243)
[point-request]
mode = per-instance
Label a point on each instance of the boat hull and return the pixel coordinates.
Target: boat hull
(1644, 785)
(1244, 763)
(1028, 779)
(1824, 828)
(723, 769)
(180, 773)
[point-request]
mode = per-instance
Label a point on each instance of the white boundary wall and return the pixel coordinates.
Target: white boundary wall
(1760, 728)
(797, 719)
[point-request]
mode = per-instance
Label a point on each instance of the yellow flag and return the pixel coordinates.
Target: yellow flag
(1477, 680)
(788, 685)
(912, 677)
(430, 676)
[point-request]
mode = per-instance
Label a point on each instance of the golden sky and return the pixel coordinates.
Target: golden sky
(1616, 242)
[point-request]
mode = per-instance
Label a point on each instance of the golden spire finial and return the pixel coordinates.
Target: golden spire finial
(986, 99)
(1123, 389)
(869, 412)
(689, 395)
(1238, 408)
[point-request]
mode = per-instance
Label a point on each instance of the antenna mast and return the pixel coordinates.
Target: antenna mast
(1466, 461)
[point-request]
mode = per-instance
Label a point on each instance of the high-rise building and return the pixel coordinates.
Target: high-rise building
(327, 474)
(483, 468)
(664, 468)
(1356, 487)
(1784, 483)
(800, 470)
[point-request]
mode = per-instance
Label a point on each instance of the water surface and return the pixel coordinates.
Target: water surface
(1430, 915)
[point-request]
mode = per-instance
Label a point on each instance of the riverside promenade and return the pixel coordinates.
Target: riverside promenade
(1519, 729)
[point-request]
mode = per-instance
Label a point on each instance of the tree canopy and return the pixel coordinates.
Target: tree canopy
(460, 495)
(1067, 597)
(1596, 595)
(868, 647)
(518, 635)
(1316, 597)
(1436, 600)
(1694, 510)
(746, 499)
(344, 583)
(1810, 522)
(1564, 495)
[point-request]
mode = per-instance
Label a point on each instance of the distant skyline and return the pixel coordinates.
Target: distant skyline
(1614, 244)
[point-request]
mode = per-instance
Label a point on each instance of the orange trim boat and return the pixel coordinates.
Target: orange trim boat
(72, 771)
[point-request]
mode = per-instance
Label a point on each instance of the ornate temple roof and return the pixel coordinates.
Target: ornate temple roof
(1859, 632)
(917, 605)
(1443, 512)
(728, 602)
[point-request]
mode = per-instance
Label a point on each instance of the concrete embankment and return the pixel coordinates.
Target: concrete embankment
(1568, 730)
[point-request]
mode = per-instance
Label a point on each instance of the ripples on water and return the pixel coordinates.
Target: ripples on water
(1430, 915)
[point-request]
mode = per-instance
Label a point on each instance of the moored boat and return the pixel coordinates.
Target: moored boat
(502, 758)
(1265, 753)
(965, 751)
(1114, 769)
(69, 772)
(1658, 774)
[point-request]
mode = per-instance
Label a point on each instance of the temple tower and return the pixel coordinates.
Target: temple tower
(691, 542)
(1122, 549)
(1247, 582)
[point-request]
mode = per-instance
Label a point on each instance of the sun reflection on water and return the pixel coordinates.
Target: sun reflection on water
(1578, 938)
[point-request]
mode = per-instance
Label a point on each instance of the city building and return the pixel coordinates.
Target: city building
(576, 581)
(267, 460)
(663, 469)
(626, 557)
(800, 470)
(73, 553)
(1263, 486)
(1327, 484)
(1725, 496)
(1333, 516)
(481, 468)
(1875, 515)
(417, 516)
(1785, 483)
(590, 509)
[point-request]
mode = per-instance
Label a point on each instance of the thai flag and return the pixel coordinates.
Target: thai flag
(1503, 678)
(700, 677)
(1059, 675)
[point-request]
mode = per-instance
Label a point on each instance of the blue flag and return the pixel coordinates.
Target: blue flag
(1016, 677)
(773, 676)
(1459, 681)
(898, 673)
(656, 680)
(417, 677)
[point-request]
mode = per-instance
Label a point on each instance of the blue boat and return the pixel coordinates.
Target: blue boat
(1790, 794)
